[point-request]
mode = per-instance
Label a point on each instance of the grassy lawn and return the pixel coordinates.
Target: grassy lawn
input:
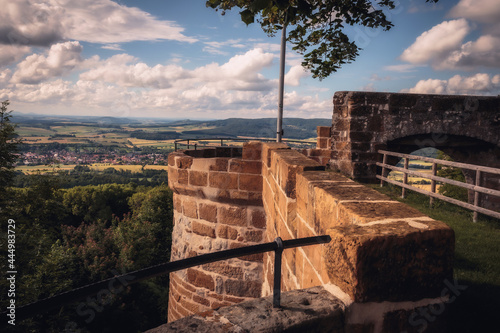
(477, 261)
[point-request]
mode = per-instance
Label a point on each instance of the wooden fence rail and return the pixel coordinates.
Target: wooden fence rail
(476, 187)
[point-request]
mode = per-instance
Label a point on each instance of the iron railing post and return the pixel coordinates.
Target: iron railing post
(277, 273)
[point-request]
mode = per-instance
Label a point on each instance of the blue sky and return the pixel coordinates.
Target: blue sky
(179, 59)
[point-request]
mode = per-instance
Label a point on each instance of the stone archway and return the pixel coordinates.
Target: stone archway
(465, 127)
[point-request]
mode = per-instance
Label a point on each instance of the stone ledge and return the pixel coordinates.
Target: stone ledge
(306, 310)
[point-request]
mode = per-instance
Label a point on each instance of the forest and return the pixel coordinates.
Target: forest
(67, 238)
(73, 228)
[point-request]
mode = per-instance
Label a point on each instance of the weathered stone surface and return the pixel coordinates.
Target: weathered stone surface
(309, 310)
(391, 261)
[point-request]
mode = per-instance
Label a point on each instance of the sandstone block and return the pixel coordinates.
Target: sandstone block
(323, 131)
(227, 232)
(184, 162)
(223, 268)
(243, 288)
(190, 208)
(244, 166)
(200, 279)
(250, 182)
(208, 212)
(233, 215)
(323, 143)
(390, 262)
(258, 219)
(198, 178)
(269, 147)
(219, 164)
(252, 150)
(223, 180)
(203, 229)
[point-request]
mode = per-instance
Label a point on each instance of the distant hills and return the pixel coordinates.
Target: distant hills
(294, 128)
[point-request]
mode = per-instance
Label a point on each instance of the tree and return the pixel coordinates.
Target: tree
(8, 147)
(318, 30)
(318, 25)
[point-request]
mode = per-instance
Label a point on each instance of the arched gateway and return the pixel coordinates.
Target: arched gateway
(465, 127)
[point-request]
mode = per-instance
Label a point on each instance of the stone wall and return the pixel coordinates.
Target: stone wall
(385, 260)
(217, 206)
(465, 127)
(384, 257)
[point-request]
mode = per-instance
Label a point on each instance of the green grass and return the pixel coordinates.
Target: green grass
(477, 261)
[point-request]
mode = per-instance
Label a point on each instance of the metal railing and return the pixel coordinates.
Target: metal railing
(277, 246)
(476, 187)
(195, 142)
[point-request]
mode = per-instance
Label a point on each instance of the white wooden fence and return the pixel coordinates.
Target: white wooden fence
(476, 187)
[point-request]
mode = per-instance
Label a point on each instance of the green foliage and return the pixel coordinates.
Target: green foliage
(8, 147)
(452, 191)
(318, 26)
(100, 202)
(65, 246)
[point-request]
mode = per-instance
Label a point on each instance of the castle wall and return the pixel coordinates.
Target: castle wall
(217, 206)
(385, 260)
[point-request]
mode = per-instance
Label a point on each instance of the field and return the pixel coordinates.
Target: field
(424, 167)
(96, 166)
(130, 133)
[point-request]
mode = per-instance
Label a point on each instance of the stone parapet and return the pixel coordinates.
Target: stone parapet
(382, 251)
(309, 310)
(385, 261)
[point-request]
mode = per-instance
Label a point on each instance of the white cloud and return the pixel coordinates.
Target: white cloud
(45, 22)
(11, 53)
(435, 44)
(485, 51)
(297, 72)
(124, 86)
(402, 68)
(61, 59)
(216, 47)
(478, 84)
(485, 11)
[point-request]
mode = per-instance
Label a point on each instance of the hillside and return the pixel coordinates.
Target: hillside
(294, 128)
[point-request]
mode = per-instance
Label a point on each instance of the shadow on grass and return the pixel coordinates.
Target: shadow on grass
(475, 309)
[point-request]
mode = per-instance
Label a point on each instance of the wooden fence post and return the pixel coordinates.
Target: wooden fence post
(405, 178)
(433, 184)
(476, 194)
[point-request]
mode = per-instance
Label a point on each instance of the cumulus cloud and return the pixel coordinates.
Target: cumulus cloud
(485, 51)
(435, 44)
(123, 83)
(443, 46)
(11, 53)
(297, 72)
(485, 11)
(478, 84)
(45, 22)
(241, 72)
(61, 59)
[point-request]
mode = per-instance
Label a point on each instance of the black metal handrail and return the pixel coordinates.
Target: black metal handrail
(277, 246)
(187, 142)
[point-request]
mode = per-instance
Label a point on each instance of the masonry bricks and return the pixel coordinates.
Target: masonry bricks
(250, 183)
(233, 215)
(224, 180)
(208, 212)
(203, 229)
(198, 178)
(294, 197)
(200, 279)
